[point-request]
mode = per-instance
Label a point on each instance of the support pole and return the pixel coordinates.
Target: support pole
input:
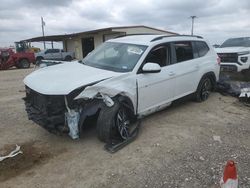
(43, 24)
(192, 29)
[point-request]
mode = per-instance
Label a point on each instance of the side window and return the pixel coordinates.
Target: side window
(48, 51)
(183, 51)
(55, 50)
(202, 48)
(159, 55)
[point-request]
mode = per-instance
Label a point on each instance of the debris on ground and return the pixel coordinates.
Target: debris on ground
(33, 154)
(227, 86)
(13, 153)
(217, 138)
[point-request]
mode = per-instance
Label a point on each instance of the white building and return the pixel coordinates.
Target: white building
(84, 42)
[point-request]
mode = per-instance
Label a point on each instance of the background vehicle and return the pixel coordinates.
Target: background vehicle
(122, 80)
(54, 54)
(26, 47)
(9, 58)
(235, 54)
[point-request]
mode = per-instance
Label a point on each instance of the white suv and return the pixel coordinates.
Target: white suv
(121, 81)
(235, 54)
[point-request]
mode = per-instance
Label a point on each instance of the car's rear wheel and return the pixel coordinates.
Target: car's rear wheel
(68, 58)
(204, 89)
(115, 122)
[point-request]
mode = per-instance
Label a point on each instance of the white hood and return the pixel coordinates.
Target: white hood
(63, 78)
(232, 49)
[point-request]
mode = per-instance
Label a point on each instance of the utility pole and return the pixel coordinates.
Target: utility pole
(43, 24)
(192, 29)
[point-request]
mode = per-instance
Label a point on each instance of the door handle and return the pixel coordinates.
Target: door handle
(171, 73)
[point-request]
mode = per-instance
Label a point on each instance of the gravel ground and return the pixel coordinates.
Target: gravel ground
(185, 145)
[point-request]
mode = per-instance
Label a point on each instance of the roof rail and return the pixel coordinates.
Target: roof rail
(136, 34)
(164, 36)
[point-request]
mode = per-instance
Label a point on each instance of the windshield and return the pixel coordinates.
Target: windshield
(244, 41)
(118, 57)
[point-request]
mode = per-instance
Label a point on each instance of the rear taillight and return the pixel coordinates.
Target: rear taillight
(218, 60)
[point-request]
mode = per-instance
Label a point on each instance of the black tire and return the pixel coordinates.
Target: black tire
(24, 64)
(108, 121)
(204, 88)
(38, 60)
(68, 58)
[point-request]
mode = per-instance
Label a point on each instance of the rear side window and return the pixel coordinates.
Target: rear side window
(183, 51)
(202, 48)
(55, 51)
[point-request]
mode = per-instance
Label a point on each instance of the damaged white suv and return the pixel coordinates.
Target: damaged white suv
(121, 81)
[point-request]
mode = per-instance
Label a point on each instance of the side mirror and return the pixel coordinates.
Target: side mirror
(151, 68)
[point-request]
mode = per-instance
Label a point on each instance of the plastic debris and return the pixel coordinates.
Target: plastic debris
(240, 89)
(107, 100)
(233, 88)
(14, 153)
(72, 118)
(202, 158)
(245, 92)
(217, 138)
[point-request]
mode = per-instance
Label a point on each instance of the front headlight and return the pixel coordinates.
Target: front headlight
(244, 59)
(243, 53)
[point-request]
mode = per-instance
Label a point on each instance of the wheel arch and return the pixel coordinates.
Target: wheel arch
(211, 76)
(23, 58)
(68, 57)
(127, 102)
(39, 57)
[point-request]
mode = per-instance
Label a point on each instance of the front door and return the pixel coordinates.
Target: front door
(156, 89)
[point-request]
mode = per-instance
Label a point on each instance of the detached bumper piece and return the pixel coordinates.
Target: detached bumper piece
(46, 111)
(116, 144)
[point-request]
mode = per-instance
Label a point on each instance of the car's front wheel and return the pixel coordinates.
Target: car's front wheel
(204, 89)
(24, 64)
(115, 122)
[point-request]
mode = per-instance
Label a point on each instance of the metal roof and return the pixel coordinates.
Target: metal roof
(69, 36)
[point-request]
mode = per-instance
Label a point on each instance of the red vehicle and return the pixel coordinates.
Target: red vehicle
(9, 58)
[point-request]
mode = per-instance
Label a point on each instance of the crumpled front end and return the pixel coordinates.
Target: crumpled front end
(60, 113)
(68, 113)
(48, 111)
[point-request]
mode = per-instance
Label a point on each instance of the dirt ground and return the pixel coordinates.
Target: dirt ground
(175, 147)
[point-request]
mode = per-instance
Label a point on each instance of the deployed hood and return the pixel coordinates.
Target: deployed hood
(63, 78)
(232, 49)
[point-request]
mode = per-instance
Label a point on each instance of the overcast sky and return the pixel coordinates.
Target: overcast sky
(217, 19)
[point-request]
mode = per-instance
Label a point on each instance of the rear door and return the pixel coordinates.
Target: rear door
(186, 68)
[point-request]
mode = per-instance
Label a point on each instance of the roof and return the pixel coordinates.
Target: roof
(154, 38)
(136, 39)
(68, 36)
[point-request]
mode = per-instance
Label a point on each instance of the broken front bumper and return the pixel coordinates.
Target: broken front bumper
(46, 111)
